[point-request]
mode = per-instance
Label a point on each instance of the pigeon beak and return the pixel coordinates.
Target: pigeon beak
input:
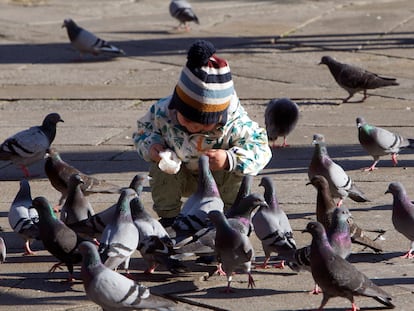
(388, 191)
(308, 183)
(60, 120)
(305, 231)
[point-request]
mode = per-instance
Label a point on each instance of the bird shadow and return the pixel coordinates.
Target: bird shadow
(217, 292)
(372, 257)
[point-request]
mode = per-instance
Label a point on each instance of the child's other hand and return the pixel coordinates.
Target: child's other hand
(154, 152)
(218, 159)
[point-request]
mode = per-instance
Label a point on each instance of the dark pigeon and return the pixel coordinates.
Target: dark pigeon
(281, 116)
(183, 12)
(354, 79)
(29, 146)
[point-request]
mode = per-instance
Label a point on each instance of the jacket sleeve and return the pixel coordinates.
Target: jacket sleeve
(249, 150)
(147, 133)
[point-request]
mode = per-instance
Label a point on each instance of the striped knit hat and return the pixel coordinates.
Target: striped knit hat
(205, 87)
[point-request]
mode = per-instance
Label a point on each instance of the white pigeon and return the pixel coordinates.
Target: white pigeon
(183, 12)
(22, 217)
(113, 291)
(29, 146)
(86, 42)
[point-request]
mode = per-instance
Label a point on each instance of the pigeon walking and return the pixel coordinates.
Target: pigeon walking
(86, 42)
(3, 250)
(113, 291)
(379, 142)
(23, 218)
(272, 226)
(354, 79)
(120, 238)
(402, 214)
(59, 172)
(183, 12)
(336, 276)
(281, 116)
(340, 184)
(58, 239)
(29, 146)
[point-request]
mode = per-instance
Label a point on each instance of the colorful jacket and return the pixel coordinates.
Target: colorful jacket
(243, 139)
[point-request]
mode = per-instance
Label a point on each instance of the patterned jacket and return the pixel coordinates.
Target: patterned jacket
(243, 139)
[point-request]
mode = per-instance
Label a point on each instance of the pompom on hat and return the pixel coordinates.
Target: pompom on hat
(205, 87)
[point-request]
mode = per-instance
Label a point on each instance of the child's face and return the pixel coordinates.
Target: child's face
(194, 127)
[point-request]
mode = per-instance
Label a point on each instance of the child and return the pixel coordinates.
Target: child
(202, 116)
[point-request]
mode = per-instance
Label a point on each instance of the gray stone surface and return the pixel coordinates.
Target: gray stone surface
(273, 48)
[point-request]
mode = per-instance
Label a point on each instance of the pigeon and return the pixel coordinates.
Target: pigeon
(378, 142)
(402, 214)
(272, 226)
(183, 12)
(3, 250)
(23, 218)
(120, 238)
(354, 79)
(155, 244)
(281, 116)
(194, 213)
(325, 206)
(77, 206)
(57, 238)
(59, 172)
(233, 249)
(113, 291)
(29, 146)
(338, 233)
(340, 184)
(86, 42)
(244, 190)
(336, 276)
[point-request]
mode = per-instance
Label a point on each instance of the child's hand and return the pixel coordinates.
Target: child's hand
(217, 159)
(154, 152)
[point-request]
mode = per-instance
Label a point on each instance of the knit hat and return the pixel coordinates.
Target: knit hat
(205, 87)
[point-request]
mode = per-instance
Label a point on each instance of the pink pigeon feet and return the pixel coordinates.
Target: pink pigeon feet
(372, 167)
(408, 255)
(394, 159)
(316, 290)
(27, 250)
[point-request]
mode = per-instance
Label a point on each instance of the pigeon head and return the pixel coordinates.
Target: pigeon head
(68, 22)
(43, 208)
(341, 214)
(319, 182)
(52, 119)
(216, 217)
(326, 60)
(360, 121)
(395, 188)
(89, 252)
(76, 179)
(315, 228)
(318, 139)
(136, 205)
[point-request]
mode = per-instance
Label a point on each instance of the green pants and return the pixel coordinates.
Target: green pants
(167, 190)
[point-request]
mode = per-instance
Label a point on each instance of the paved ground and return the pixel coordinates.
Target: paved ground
(273, 48)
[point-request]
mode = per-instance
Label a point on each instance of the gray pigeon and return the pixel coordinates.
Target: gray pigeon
(183, 12)
(29, 146)
(120, 238)
(194, 213)
(57, 238)
(155, 244)
(378, 142)
(113, 291)
(23, 218)
(86, 42)
(340, 184)
(281, 116)
(402, 214)
(336, 276)
(339, 234)
(272, 226)
(77, 206)
(233, 249)
(244, 190)
(59, 172)
(3, 250)
(354, 79)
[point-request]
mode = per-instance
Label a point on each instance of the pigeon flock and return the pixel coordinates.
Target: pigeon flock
(99, 244)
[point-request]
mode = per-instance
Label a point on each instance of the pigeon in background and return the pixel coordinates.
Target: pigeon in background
(86, 42)
(59, 172)
(272, 226)
(354, 79)
(29, 146)
(325, 207)
(336, 276)
(120, 238)
(340, 184)
(378, 142)
(23, 218)
(77, 206)
(233, 249)
(183, 12)
(3, 250)
(58, 239)
(402, 214)
(281, 116)
(194, 213)
(113, 291)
